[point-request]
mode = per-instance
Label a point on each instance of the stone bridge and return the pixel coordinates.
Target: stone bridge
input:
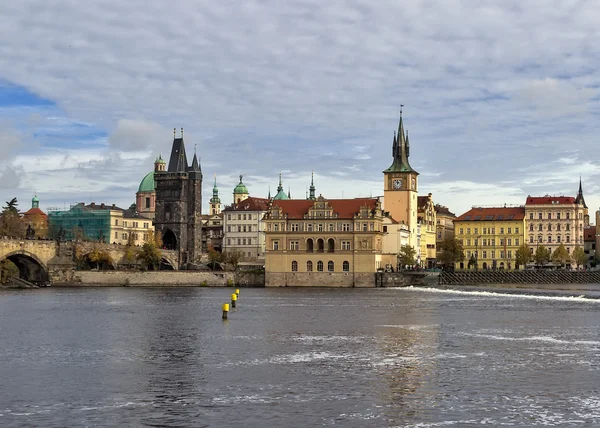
(40, 261)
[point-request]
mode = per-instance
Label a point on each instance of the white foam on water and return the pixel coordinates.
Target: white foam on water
(309, 338)
(410, 327)
(578, 299)
(546, 339)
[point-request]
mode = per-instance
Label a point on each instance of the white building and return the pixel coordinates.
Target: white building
(243, 227)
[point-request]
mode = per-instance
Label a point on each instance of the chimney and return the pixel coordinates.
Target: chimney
(102, 205)
(93, 205)
(113, 205)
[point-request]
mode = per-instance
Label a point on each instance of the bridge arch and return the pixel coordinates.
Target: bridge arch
(31, 268)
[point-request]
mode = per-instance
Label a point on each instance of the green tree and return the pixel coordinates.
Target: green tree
(472, 261)
(149, 256)
(450, 252)
(99, 259)
(8, 270)
(10, 220)
(561, 256)
(579, 256)
(541, 256)
(523, 255)
(407, 256)
(215, 257)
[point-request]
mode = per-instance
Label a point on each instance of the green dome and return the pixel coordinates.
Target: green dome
(281, 196)
(240, 188)
(147, 184)
(35, 199)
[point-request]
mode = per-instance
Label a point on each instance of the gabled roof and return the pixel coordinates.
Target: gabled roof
(344, 208)
(441, 209)
(550, 200)
(493, 214)
(249, 204)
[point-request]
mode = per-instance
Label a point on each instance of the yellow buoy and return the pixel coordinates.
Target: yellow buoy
(237, 291)
(233, 299)
(225, 310)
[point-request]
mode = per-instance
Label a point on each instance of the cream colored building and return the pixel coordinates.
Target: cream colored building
(554, 220)
(128, 223)
(444, 224)
(243, 228)
(395, 236)
(427, 219)
(323, 242)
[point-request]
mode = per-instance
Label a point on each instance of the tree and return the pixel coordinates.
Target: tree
(472, 261)
(10, 220)
(214, 258)
(561, 256)
(149, 256)
(541, 256)
(523, 255)
(99, 259)
(407, 255)
(8, 270)
(234, 257)
(579, 256)
(451, 252)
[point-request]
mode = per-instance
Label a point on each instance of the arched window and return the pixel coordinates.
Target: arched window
(319, 266)
(320, 245)
(549, 228)
(309, 266)
(540, 227)
(558, 227)
(531, 227)
(294, 266)
(330, 266)
(309, 245)
(346, 266)
(330, 245)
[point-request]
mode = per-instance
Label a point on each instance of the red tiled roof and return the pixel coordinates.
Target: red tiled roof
(35, 211)
(589, 233)
(440, 209)
(493, 214)
(344, 208)
(549, 200)
(250, 204)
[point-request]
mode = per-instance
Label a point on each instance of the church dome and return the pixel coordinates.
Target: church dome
(35, 199)
(147, 184)
(240, 188)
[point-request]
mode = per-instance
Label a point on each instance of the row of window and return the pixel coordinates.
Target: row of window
(556, 216)
(558, 227)
(242, 217)
(320, 266)
(489, 231)
(242, 228)
(484, 254)
(558, 239)
(240, 241)
(134, 235)
(134, 224)
(320, 245)
(485, 242)
(322, 227)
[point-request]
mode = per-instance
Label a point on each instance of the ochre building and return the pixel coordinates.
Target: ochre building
(323, 242)
(490, 237)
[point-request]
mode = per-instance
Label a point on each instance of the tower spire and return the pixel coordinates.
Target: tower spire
(400, 149)
(580, 199)
(312, 187)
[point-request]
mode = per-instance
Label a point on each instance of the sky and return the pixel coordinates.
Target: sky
(501, 99)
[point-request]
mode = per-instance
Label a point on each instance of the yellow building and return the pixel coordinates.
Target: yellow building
(426, 216)
(400, 185)
(490, 237)
(323, 242)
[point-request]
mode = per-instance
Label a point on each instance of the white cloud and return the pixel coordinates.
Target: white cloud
(490, 90)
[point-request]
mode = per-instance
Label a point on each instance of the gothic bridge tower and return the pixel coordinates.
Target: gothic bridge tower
(178, 216)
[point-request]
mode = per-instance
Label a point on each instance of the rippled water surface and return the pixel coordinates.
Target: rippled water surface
(296, 357)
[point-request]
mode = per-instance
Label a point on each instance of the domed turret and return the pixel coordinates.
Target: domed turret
(215, 201)
(35, 202)
(240, 192)
(280, 192)
(147, 183)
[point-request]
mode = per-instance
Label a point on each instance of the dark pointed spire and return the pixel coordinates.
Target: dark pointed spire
(269, 196)
(312, 187)
(289, 193)
(580, 199)
(280, 187)
(401, 150)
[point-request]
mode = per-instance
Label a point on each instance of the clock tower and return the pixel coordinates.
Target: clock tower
(400, 185)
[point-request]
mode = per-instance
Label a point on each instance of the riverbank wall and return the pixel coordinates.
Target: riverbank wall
(519, 277)
(163, 278)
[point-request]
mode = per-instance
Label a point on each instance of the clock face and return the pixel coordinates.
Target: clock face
(397, 183)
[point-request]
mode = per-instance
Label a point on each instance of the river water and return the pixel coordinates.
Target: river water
(154, 357)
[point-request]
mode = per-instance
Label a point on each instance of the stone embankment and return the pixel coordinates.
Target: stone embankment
(520, 277)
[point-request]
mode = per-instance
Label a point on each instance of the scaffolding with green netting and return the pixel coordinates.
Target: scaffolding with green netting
(80, 223)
